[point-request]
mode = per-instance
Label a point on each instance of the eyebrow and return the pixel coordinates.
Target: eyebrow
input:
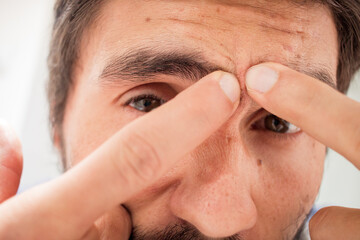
(138, 65)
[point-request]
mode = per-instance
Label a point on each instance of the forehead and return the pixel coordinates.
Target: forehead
(233, 33)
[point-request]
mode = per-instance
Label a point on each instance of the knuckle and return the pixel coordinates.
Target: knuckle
(10, 145)
(140, 160)
(204, 115)
(10, 153)
(318, 222)
(202, 118)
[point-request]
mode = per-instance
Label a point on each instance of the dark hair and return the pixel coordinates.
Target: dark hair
(72, 17)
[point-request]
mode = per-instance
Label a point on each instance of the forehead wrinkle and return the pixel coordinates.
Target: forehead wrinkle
(275, 10)
(266, 17)
(199, 23)
(298, 33)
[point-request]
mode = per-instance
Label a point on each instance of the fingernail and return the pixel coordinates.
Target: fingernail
(261, 78)
(230, 86)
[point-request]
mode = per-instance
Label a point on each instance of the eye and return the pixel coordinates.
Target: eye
(275, 124)
(278, 125)
(145, 103)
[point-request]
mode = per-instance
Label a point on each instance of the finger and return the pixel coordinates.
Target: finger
(92, 234)
(10, 162)
(322, 112)
(132, 159)
(335, 223)
(115, 225)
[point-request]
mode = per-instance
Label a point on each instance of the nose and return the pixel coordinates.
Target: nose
(214, 194)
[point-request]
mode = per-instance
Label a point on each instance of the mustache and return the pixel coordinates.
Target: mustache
(183, 231)
(186, 231)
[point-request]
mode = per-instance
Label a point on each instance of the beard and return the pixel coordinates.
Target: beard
(186, 231)
(182, 231)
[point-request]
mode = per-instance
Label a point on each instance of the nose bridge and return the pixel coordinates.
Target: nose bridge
(215, 194)
(222, 153)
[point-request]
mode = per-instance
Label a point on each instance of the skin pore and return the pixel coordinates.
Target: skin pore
(244, 181)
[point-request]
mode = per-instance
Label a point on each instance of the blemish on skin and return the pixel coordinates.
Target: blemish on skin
(287, 48)
(259, 162)
(228, 140)
(147, 19)
(218, 9)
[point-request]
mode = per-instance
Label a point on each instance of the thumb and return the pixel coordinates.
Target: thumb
(10, 162)
(335, 223)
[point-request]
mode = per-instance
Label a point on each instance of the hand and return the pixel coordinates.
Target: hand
(10, 162)
(325, 114)
(134, 158)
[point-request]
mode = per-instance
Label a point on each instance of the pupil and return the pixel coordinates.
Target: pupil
(275, 124)
(147, 103)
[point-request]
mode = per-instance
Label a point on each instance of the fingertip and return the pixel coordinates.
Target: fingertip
(229, 85)
(115, 224)
(335, 223)
(261, 78)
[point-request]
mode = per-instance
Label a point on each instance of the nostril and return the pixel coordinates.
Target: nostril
(185, 230)
(218, 209)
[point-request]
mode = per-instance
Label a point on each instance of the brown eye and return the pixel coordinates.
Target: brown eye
(278, 125)
(146, 103)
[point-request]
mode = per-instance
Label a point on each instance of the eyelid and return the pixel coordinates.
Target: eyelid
(160, 90)
(256, 116)
(261, 117)
(143, 96)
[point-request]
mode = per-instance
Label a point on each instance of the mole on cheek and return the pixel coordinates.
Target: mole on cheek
(259, 162)
(147, 19)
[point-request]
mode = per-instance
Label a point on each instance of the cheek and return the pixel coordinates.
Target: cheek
(91, 119)
(289, 179)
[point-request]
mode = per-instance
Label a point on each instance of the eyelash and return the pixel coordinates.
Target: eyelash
(282, 136)
(278, 136)
(143, 96)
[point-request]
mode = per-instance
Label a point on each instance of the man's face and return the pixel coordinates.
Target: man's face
(253, 177)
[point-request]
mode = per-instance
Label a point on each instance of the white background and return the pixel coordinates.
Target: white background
(24, 35)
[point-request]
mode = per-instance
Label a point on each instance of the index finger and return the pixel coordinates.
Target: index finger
(132, 159)
(318, 109)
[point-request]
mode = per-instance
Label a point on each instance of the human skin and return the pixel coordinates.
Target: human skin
(67, 207)
(254, 183)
